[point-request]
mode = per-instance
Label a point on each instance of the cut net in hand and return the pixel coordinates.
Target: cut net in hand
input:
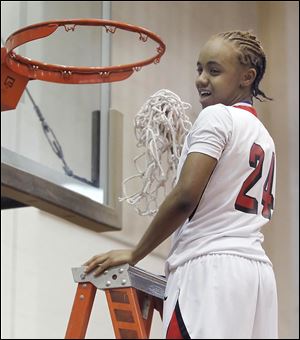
(160, 128)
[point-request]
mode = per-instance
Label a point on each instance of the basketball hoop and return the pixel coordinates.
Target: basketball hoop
(16, 70)
(33, 69)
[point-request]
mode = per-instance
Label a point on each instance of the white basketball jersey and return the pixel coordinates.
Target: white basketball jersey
(239, 197)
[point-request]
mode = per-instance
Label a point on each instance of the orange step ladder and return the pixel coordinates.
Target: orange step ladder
(132, 295)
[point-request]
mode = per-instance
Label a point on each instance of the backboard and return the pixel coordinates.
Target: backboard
(79, 119)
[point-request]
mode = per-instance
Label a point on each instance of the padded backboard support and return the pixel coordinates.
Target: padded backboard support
(12, 85)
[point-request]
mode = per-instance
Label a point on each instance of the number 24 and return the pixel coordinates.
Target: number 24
(247, 203)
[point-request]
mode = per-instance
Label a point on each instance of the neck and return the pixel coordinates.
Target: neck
(246, 101)
(243, 99)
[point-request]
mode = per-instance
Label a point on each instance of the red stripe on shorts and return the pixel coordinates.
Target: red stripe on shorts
(176, 328)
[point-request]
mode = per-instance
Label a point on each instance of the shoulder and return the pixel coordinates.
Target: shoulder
(215, 109)
(217, 114)
(213, 126)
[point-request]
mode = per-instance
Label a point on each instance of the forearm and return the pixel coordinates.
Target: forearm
(172, 214)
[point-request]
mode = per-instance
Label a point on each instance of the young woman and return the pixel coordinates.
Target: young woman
(220, 281)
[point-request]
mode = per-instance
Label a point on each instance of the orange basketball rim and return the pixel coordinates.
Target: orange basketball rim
(16, 70)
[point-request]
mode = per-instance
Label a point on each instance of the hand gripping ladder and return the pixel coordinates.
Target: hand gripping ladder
(132, 295)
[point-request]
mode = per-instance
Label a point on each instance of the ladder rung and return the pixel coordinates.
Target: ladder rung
(121, 306)
(127, 325)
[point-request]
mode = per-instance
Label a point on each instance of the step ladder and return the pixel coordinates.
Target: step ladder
(132, 295)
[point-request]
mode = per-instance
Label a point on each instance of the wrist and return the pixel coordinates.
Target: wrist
(136, 255)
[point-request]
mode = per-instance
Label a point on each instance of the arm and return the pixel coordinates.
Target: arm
(173, 212)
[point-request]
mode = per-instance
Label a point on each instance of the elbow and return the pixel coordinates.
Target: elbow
(186, 202)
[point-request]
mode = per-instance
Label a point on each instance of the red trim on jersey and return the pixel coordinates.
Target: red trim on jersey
(247, 108)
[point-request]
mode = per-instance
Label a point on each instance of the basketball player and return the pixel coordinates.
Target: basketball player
(221, 283)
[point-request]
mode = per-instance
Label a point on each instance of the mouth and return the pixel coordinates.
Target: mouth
(204, 94)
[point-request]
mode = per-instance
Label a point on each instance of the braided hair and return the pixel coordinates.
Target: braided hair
(252, 54)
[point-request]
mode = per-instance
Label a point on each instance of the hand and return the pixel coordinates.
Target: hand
(101, 262)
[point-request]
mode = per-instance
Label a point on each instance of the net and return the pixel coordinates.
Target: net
(160, 127)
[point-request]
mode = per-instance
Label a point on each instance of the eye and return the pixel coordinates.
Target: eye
(214, 71)
(199, 70)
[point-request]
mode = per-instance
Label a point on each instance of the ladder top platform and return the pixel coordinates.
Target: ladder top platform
(124, 276)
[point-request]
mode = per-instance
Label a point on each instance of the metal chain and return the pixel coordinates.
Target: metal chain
(54, 143)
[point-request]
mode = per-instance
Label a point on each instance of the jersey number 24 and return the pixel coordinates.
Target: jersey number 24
(247, 203)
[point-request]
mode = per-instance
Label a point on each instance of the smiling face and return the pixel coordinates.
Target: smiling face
(221, 76)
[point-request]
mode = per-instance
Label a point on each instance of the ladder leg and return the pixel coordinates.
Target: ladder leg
(81, 311)
(158, 305)
(146, 303)
(126, 314)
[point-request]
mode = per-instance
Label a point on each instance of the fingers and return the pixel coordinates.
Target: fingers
(92, 260)
(102, 262)
(101, 267)
(95, 262)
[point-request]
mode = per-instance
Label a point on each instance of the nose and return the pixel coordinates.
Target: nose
(202, 80)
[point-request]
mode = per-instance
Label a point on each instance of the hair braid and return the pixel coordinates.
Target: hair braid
(252, 54)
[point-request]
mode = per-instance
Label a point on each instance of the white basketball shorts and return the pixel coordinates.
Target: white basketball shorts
(220, 296)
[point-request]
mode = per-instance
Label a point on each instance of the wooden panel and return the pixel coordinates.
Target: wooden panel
(52, 198)
(33, 184)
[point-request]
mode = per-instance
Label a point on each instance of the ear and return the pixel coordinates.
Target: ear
(248, 77)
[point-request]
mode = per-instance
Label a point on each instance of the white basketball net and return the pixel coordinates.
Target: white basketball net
(160, 128)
